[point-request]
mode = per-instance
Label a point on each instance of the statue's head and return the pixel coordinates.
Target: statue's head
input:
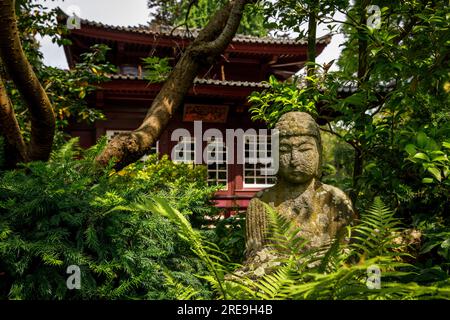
(300, 147)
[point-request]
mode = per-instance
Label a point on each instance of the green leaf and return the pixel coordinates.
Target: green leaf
(421, 156)
(446, 244)
(427, 180)
(422, 139)
(411, 149)
(356, 99)
(440, 158)
(435, 172)
(428, 247)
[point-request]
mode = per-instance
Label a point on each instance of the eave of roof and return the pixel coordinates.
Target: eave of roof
(229, 83)
(182, 33)
(201, 81)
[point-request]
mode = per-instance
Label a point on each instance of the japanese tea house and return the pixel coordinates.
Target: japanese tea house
(218, 96)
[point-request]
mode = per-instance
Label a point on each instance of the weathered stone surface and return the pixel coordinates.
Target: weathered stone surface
(317, 209)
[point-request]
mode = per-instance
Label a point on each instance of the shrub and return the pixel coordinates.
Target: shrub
(2, 153)
(67, 212)
(230, 236)
(337, 271)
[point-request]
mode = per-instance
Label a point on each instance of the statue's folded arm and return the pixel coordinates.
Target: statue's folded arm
(256, 226)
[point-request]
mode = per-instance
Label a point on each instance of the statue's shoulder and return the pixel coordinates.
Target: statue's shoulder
(331, 190)
(336, 196)
(266, 195)
(262, 196)
(261, 193)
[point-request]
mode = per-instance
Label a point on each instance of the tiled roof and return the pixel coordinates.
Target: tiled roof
(228, 83)
(182, 33)
(349, 88)
(232, 83)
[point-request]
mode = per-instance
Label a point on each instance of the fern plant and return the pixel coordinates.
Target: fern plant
(207, 251)
(66, 212)
(376, 233)
(337, 271)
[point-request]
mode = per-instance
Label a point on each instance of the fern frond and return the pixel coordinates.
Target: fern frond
(67, 152)
(181, 291)
(283, 233)
(198, 245)
(375, 234)
(333, 256)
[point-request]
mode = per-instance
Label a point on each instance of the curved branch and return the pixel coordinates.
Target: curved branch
(26, 82)
(212, 40)
(220, 43)
(15, 147)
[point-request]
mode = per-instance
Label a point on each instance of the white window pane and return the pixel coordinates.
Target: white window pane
(184, 151)
(257, 161)
(216, 158)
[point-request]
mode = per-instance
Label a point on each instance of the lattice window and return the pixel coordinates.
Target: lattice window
(184, 150)
(129, 70)
(255, 172)
(217, 164)
(112, 133)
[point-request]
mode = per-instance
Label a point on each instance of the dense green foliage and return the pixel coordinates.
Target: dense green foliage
(64, 212)
(337, 160)
(289, 16)
(282, 97)
(396, 120)
(229, 235)
(141, 233)
(67, 90)
(337, 271)
(156, 69)
(196, 14)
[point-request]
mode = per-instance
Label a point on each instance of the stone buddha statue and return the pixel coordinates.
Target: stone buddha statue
(317, 209)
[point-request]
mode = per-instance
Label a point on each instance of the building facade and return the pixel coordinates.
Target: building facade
(218, 97)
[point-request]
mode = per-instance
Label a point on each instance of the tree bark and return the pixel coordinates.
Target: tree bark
(26, 82)
(362, 41)
(362, 78)
(127, 148)
(312, 35)
(15, 148)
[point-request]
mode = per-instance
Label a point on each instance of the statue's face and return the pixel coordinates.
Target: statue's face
(299, 158)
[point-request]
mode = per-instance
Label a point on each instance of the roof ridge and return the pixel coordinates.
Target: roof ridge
(345, 88)
(183, 34)
(198, 80)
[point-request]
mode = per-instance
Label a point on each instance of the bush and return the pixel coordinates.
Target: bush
(2, 153)
(67, 212)
(373, 265)
(229, 235)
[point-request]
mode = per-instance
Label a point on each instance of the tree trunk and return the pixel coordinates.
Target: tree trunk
(312, 35)
(127, 148)
(357, 171)
(26, 82)
(362, 78)
(362, 41)
(15, 148)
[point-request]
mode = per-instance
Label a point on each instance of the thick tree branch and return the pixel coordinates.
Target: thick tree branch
(362, 42)
(15, 147)
(209, 44)
(26, 82)
(220, 43)
(363, 76)
(312, 38)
